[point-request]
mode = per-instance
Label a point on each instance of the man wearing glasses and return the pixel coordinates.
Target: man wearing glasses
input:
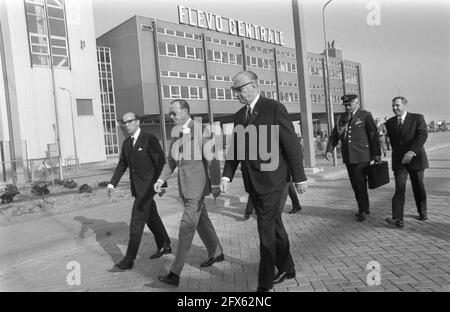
(266, 188)
(197, 178)
(360, 144)
(143, 156)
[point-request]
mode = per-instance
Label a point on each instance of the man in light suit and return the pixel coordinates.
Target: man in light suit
(197, 178)
(265, 184)
(142, 155)
(360, 144)
(407, 133)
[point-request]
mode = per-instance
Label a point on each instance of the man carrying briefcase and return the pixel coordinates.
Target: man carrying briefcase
(360, 143)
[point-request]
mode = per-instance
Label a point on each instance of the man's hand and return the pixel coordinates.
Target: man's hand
(328, 155)
(215, 190)
(408, 157)
(157, 186)
(377, 159)
(224, 185)
(301, 187)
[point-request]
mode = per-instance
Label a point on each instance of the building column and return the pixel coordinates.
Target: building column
(303, 86)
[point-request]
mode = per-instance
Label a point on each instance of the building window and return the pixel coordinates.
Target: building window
(38, 35)
(184, 92)
(162, 48)
(175, 92)
(84, 107)
(232, 58)
(166, 92)
(107, 99)
(199, 54)
(190, 53)
(221, 94)
(181, 50)
(171, 49)
(193, 93)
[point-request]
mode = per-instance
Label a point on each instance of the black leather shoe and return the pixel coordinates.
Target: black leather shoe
(211, 261)
(281, 276)
(422, 217)
(395, 222)
(361, 217)
(161, 252)
(262, 289)
(125, 264)
(295, 209)
(171, 279)
(367, 213)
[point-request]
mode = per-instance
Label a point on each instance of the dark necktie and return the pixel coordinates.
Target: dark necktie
(248, 114)
(400, 124)
(132, 141)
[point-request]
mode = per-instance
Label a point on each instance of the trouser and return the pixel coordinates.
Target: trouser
(195, 217)
(148, 214)
(358, 178)
(274, 241)
(290, 189)
(420, 196)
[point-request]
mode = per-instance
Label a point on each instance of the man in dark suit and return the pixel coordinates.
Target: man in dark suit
(197, 178)
(265, 178)
(407, 133)
(358, 133)
(142, 154)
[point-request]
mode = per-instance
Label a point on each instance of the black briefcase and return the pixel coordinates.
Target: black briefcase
(378, 175)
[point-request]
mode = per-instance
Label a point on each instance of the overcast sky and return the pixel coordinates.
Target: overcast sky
(408, 53)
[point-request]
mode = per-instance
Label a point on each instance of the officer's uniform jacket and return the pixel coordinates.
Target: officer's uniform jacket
(358, 135)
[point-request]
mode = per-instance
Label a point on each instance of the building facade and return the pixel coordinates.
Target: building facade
(50, 91)
(157, 61)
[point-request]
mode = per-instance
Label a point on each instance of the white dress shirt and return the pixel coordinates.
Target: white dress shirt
(135, 136)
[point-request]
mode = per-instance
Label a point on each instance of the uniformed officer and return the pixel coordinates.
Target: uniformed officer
(358, 133)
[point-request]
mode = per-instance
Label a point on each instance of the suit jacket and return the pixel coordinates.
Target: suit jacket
(411, 138)
(267, 112)
(195, 173)
(359, 138)
(145, 161)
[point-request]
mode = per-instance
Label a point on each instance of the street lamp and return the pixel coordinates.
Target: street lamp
(329, 105)
(73, 129)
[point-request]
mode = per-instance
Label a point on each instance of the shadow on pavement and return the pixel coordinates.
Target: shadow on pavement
(111, 234)
(107, 234)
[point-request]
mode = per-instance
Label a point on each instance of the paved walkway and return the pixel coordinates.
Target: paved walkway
(330, 249)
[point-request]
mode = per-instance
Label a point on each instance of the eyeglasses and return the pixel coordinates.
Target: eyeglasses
(125, 122)
(239, 89)
(172, 114)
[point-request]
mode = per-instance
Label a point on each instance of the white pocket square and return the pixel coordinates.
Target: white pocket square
(140, 149)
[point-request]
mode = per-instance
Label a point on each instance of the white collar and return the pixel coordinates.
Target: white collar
(136, 134)
(186, 124)
(253, 103)
(354, 112)
(403, 116)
